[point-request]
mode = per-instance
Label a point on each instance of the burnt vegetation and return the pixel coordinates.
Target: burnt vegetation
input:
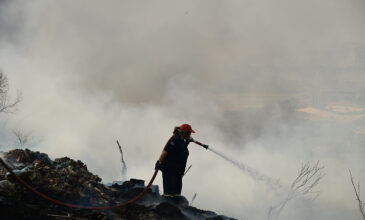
(69, 181)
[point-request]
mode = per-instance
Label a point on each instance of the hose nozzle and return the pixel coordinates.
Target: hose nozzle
(199, 143)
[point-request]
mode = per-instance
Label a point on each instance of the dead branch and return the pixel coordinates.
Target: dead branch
(308, 178)
(124, 165)
(187, 170)
(357, 194)
(193, 199)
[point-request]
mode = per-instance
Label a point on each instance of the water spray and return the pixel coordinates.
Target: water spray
(255, 174)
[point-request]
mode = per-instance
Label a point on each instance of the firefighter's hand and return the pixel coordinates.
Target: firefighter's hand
(205, 146)
(158, 165)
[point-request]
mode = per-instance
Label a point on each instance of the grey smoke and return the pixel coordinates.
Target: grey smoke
(236, 70)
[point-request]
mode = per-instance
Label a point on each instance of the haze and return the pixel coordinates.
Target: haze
(272, 84)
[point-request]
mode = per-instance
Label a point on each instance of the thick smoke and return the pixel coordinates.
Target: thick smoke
(273, 83)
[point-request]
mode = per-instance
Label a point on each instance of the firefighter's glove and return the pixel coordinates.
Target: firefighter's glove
(158, 165)
(205, 146)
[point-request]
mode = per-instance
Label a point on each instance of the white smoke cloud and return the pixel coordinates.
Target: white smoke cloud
(92, 73)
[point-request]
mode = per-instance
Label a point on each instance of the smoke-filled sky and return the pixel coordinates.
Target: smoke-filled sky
(271, 84)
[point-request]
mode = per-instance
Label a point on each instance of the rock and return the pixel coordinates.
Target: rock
(181, 201)
(155, 189)
(23, 173)
(18, 157)
(168, 210)
(215, 218)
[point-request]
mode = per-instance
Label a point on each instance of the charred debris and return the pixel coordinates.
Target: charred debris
(69, 181)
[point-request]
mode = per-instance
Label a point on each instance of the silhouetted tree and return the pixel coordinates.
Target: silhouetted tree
(23, 138)
(6, 105)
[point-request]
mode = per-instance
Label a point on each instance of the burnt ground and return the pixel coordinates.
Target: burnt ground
(69, 181)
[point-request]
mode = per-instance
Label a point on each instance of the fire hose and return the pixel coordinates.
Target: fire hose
(74, 205)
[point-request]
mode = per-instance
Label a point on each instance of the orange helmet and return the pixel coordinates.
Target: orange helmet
(186, 127)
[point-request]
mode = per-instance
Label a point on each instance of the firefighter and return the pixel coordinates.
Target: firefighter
(172, 161)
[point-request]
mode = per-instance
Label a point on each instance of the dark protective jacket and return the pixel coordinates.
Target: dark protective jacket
(177, 155)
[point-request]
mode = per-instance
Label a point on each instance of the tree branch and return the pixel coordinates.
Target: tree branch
(357, 194)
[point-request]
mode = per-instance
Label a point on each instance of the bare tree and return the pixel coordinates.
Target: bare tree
(357, 194)
(22, 137)
(308, 177)
(7, 106)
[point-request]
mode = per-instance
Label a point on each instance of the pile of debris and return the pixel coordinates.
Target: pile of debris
(70, 181)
